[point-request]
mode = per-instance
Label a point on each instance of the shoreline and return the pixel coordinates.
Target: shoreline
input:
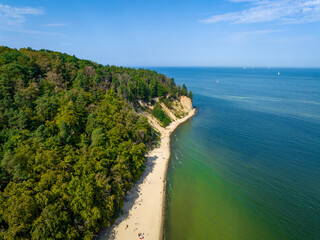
(144, 206)
(184, 119)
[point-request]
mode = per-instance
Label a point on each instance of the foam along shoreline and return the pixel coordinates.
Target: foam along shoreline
(143, 210)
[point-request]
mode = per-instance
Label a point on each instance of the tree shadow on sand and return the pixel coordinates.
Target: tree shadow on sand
(109, 233)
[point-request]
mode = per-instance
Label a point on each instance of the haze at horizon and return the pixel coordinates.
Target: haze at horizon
(169, 33)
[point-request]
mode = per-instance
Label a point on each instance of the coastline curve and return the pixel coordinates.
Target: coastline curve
(143, 210)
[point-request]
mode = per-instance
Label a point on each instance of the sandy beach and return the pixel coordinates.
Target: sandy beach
(143, 208)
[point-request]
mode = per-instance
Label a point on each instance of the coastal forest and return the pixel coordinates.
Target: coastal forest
(72, 141)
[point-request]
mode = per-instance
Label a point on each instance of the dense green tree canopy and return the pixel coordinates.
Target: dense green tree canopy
(71, 141)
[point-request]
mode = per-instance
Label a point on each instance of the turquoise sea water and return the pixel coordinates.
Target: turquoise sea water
(247, 166)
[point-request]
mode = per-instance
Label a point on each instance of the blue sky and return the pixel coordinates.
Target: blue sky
(283, 33)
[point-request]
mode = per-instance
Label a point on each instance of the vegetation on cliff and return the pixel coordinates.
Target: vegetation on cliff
(71, 141)
(161, 115)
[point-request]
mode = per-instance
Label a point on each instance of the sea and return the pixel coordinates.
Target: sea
(247, 165)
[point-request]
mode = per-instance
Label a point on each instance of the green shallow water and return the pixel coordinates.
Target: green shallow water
(247, 166)
(201, 203)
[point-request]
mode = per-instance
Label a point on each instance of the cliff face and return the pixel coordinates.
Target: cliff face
(186, 102)
(173, 110)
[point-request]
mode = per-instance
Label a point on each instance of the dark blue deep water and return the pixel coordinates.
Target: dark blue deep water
(247, 166)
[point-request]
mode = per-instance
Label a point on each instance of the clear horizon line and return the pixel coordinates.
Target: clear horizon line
(250, 67)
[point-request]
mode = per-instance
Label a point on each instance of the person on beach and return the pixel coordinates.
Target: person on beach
(141, 235)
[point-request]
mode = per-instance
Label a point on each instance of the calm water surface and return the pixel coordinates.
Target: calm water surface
(247, 166)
